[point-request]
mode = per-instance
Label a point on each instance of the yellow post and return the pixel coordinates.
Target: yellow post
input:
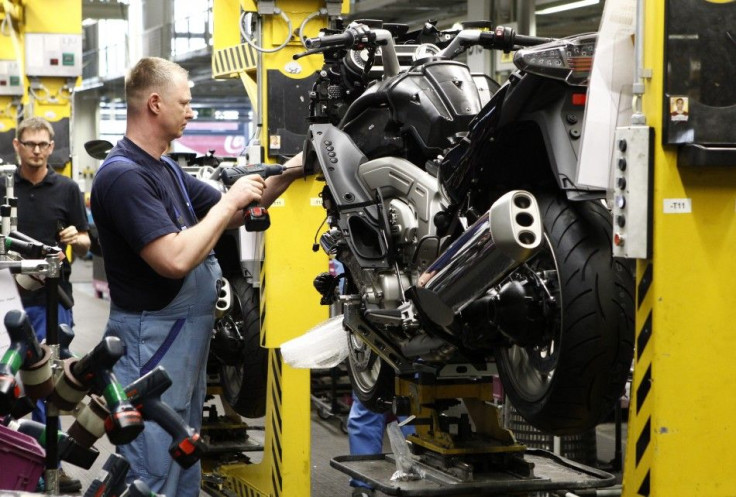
(289, 302)
(680, 438)
(50, 97)
(11, 53)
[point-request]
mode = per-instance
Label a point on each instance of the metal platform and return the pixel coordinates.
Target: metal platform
(550, 472)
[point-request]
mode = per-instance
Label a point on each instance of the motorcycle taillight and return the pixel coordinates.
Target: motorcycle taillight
(567, 59)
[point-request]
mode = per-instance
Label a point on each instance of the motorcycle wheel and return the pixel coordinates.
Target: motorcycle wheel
(569, 381)
(371, 377)
(244, 384)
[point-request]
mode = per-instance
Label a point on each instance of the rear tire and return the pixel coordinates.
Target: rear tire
(244, 384)
(569, 381)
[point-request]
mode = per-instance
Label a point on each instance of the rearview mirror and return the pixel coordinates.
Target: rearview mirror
(98, 149)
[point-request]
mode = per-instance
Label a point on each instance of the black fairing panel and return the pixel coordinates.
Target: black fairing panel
(460, 165)
(433, 102)
(375, 133)
(525, 137)
(338, 159)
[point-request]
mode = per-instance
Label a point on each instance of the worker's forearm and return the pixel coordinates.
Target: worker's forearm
(196, 242)
(276, 185)
(176, 254)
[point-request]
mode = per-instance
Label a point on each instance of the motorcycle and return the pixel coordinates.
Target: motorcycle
(469, 249)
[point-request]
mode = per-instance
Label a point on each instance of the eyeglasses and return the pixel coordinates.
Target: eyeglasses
(32, 145)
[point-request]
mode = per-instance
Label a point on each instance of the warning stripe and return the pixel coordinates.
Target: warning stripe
(232, 60)
(241, 488)
(641, 421)
(276, 421)
(262, 302)
(644, 284)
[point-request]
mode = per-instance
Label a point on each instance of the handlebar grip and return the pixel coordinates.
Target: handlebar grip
(530, 41)
(505, 38)
(344, 39)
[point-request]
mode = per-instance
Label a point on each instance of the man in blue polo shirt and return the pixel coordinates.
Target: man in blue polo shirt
(157, 228)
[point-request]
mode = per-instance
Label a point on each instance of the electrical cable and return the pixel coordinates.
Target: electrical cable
(315, 245)
(247, 33)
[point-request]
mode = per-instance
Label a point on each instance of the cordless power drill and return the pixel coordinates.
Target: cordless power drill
(255, 217)
(93, 372)
(110, 481)
(145, 394)
(70, 450)
(28, 356)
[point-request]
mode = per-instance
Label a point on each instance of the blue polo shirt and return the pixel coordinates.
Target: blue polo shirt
(43, 209)
(136, 199)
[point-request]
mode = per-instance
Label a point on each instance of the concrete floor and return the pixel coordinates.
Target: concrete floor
(327, 438)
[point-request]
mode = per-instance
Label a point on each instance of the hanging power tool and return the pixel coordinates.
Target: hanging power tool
(145, 394)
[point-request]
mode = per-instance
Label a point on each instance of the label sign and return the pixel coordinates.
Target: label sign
(677, 206)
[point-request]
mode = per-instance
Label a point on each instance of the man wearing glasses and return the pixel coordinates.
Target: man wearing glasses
(51, 210)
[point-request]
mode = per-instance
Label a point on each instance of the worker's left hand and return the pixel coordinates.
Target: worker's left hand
(69, 235)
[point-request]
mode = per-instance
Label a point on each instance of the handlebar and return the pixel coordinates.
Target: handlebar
(500, 38)
(344, 39)
(530, 41)
(358, 36)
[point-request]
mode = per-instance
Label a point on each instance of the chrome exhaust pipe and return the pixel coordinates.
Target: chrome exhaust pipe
(488, 251)
(224, 298)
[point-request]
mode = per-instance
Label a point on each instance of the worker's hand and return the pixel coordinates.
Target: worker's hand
(246, 190)
(69, 235)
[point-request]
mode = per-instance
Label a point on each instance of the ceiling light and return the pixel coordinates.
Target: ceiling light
(567, 6)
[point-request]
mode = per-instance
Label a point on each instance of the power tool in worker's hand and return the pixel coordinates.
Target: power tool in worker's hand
(255, 217)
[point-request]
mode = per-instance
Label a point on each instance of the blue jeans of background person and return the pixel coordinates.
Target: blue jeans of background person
(37, 317)
(365, 432)
(177, 338)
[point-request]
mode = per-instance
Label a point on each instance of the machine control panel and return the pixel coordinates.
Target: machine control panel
(632, 192)
(11, 78)
(52, 54)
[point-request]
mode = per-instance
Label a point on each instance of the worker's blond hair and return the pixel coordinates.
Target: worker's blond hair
(34, 124)
(150, 74)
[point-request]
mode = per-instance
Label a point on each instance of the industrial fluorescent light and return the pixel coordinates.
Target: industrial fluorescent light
(566, 6)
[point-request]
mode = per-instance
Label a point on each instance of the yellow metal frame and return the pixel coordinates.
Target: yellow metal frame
(289, 303)
(55, 102)
(680, 438)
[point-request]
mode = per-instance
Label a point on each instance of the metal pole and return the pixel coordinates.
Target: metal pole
(52, 340)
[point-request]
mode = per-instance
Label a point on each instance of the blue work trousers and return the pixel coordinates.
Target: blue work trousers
(177, 338)
(365, 432)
